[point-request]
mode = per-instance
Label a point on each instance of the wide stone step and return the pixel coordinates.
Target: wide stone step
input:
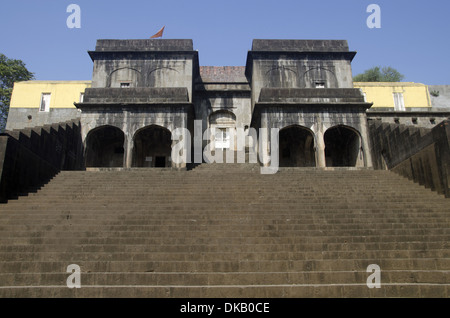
(219, 232)
(394, 290)
(227, 266)
(64, 247)
(436, 277)
(217, 256)
(257, 225)
(170, 240)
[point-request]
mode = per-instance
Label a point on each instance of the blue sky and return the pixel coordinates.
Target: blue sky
(413, 38)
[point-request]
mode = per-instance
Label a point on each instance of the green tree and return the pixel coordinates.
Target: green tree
(10, 71)
(379, 74)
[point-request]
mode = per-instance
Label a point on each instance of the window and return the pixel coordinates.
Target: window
(397, 120)
(124, 85)
(433, 121)
(222, 138)
(414, 120)
(45, 102)
(399, 103)
(320, 84)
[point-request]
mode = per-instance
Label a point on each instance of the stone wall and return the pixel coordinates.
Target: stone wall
(30, 157)
(144, 63)
(425, 118)
(27, 117)
(442, 101)
(420, 154)
(299, 64)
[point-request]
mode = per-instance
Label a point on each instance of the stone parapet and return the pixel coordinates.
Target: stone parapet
(300, 45)
(310, 95)
(106, 45)
(139, 95)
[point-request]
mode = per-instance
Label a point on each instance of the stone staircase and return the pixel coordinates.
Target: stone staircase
(226, 231)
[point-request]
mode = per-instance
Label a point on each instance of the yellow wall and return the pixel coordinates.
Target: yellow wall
(381, 94)
(63, 93)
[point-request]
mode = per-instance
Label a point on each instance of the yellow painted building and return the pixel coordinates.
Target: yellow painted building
(397, 95)
(57, 94)
(37, 103)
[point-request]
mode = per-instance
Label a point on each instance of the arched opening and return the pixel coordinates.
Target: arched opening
(163, 77)
(152, 147)
(123, 78)
(281, 76)
(342, 147)
(320, 77)
(104, 147)
(296, 147)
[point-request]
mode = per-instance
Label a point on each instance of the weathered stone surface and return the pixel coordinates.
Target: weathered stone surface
(19, 118)
(442, 101)
(300, 45)
(105, 45)
(311, 95)
(30, 157)
(138, 95)
(420, 154)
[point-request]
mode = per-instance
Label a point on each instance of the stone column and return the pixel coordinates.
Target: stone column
(128, 145)
(318, 129)
(320, 150)
(365, 141)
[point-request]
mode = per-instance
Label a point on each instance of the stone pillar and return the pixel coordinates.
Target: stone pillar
(318, 130)
(320, 150)
(128, 145)
(365, 141)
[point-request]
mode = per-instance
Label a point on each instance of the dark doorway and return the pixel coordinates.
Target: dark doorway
(104, 147)
(342, 147)
(152, 147)
(160, 162)
(296, 147)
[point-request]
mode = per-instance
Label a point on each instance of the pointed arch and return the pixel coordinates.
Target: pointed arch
(152, 147)
(124, 75)
(296, 147)
(343, 147)
(105, 147)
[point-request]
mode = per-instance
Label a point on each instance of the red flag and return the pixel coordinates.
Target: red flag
(159, 34)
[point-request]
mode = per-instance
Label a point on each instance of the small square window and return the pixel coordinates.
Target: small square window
(397, 120)
(414, 120)
(320, 84)
(433, 121)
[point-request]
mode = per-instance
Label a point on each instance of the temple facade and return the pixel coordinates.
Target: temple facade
(293, 103)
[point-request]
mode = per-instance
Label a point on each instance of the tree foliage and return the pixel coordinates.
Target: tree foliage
(11, 71)
(379, 74)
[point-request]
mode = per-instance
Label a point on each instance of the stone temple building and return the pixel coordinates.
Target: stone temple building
(294, 104)
(85, 162)
(144, 89)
